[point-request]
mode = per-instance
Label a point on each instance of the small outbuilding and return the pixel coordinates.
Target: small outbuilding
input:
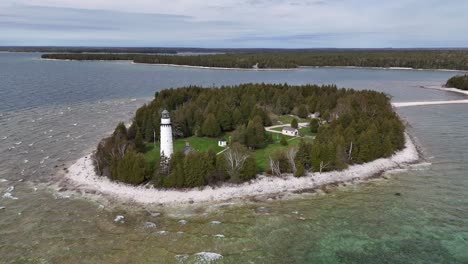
(289, 131)
(188, 149)
(314, 115)
(222, 142)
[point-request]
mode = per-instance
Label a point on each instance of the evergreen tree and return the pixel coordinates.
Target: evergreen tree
(302, 111)
(255, 134)
(300, 171)
(294, 123)
(211, 127)
(120, 132)
(249, 170)
(139, 144)
(195, 171)
(132, 168)
(225, 120)
(314, 125)
(303, 154)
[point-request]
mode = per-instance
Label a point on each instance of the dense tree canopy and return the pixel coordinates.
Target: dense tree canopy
(425, 59)
(357, 127)
(459, 81)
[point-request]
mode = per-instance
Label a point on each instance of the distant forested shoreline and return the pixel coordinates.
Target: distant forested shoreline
(459, 82)
(417, 59)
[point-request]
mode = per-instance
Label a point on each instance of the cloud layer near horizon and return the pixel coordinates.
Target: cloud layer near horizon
(229, 23)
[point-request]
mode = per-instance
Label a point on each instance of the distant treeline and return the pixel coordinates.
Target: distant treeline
(418, 59)
(357, 127)
(90, 49)
(459, 81)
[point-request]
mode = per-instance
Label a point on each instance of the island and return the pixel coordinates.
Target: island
(196, 136)
(454, 59)
(458, 82)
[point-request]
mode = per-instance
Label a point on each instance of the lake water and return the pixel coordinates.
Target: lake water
(53, 112)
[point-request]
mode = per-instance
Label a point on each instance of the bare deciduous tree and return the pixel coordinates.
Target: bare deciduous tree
(350, 152)
(291, 155)
(275, 167)
(323, 165)
(235, 160)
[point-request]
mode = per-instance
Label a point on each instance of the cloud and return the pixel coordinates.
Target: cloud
(235, 23)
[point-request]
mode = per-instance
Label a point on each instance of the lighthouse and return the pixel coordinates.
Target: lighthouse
(167, 147)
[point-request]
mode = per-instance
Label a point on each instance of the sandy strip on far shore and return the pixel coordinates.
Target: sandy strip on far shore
(442, 102)
(269, 69)
(405, 104)
(84, 178)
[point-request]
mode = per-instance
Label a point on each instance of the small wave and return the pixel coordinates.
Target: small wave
(422, 164)
(5, 137)
(10, 189)
(18, 143)
(182, 222)
(219, 235)
(215, 222)
(9, 196)
(26, 161)
(396, 171)
(44, 159)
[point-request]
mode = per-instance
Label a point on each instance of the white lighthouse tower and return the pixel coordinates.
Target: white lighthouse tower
(167, 147)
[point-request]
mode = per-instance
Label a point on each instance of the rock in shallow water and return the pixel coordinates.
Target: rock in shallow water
(119, 219)
(208, 257)
(149, 225)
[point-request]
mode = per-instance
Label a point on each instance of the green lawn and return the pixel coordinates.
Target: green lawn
(198, 143)
(286, 119)
(278, 128)
(306, 131)
(262, 155)
(277, 137)
(203, 144)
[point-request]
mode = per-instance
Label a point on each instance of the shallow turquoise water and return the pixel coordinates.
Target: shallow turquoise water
(59, 110)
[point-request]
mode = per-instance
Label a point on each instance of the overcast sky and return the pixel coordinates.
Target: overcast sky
(236, 23)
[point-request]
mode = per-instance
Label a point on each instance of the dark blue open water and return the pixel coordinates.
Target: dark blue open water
(53, 112)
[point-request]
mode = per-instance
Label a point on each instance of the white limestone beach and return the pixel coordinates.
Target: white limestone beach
(83, 176)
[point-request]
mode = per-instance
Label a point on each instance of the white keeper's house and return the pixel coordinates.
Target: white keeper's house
(289, 131)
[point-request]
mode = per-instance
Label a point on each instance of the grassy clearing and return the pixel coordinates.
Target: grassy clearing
(306, 131)
(262, 155)
(286, 119)
(278, 128)
(277, 137)
(203, 144)
(198, 143)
